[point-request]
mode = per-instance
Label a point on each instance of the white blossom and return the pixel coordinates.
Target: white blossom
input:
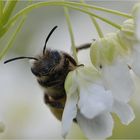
(135, 57)
(93, 93)
(91, 103)
(110, 55)
(131, 33)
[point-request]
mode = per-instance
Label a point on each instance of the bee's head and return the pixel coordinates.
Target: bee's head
(43, 64)
(46, 63)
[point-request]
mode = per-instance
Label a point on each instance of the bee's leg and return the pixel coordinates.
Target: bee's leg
(52, 103)
(75, 120)
(84, 46)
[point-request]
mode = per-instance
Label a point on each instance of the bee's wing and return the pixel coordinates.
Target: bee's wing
(58, 104)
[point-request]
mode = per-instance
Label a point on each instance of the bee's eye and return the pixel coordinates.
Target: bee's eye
(56, 56)
(35, 72)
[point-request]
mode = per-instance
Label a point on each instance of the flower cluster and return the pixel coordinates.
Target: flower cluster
(90, 102)
(95, 92)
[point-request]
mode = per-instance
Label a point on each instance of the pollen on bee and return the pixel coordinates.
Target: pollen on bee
(31, 61)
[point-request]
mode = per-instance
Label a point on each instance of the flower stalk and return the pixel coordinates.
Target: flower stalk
(98, 29)
(1, 8)
(73, 48)
(9, 44)
(102, 9)
(66, 4)
(7, 10)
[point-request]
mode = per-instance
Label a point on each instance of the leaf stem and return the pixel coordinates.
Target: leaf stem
(98, 29)
(126, 15)
(7, 11)
(1, 8)
(73, 48)
(66, 4)
(9, 45)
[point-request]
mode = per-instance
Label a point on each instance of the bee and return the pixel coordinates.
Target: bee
(51, 68)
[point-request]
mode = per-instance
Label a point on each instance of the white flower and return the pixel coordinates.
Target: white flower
(110, 56)
(136, 14)
(127, 32)
(90, 103)
(131, 35)
(117, 78)
(135, 56)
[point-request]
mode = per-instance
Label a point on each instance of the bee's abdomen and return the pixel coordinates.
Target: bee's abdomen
(56, 105)
(51, 83)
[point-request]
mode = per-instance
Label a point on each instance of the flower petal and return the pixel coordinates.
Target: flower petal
(124, 111)
(71, 83)
(117, 78)
(69, 113)
(94, 100)
(99, 127)
(86, 74)
(127, 29)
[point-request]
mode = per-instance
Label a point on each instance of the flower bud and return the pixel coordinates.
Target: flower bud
(127, 29)
(126, 36)
(104, 50)
(126, 44)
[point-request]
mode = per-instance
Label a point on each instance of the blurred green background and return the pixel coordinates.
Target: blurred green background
(21, 100)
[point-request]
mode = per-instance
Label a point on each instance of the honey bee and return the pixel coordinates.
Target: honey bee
(51, 69)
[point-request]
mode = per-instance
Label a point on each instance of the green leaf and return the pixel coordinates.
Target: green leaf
(9, 44)
(7, 11)
(1, 8)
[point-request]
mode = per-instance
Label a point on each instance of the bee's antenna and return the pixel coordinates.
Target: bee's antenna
(44, 49)
(16, 58)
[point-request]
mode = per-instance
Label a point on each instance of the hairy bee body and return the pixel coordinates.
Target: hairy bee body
(51, 70)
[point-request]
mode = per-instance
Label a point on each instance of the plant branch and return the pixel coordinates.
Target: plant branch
(1, 8)
(7, 11)
(9, 44)
(52, 3)
(98, 29)
(73, 48)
